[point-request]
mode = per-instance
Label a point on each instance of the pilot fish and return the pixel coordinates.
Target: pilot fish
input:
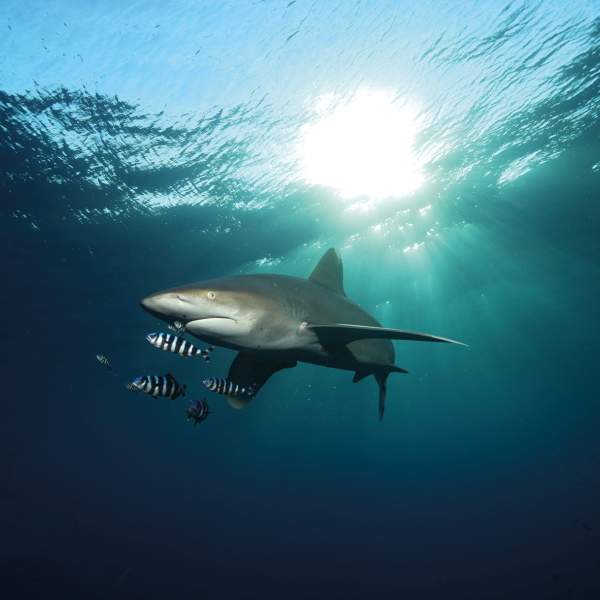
(159, 385)
(173, 343)
(177, 327)
(197, 411)
(228, 388)
(103, 360)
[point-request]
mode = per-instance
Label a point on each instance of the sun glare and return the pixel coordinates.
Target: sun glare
(362, 147)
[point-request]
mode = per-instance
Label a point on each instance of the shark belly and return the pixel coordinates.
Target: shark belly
(356, 356)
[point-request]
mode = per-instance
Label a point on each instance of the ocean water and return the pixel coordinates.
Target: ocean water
(449, 151)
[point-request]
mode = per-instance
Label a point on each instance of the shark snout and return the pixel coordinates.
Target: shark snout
(170, 305)
(152, 305)
(146, 303)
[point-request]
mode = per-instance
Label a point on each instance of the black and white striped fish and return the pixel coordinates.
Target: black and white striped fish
(131, 387)
(103, 360)
(159, 385)
(228, 388)
(197, 411)
(173, 343)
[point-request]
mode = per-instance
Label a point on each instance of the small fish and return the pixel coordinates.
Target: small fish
(197, 411)
(177, 327)
(173, 343)
(132, 388)
(229, 388)
(159, 385)
(103, 360)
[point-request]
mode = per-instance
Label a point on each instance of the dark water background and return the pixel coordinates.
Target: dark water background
(143, 146)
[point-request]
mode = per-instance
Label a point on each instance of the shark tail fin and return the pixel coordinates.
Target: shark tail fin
(381, 379)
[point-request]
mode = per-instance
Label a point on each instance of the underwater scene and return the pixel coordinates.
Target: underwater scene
(302, 299)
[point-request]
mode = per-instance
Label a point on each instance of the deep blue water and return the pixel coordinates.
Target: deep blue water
(145, 145)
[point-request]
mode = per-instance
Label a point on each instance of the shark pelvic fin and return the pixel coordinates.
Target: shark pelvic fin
(344, 334)
(359, 376)
(329, 272)
(249, 369)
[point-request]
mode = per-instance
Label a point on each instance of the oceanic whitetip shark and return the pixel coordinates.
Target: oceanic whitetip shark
(274, 321)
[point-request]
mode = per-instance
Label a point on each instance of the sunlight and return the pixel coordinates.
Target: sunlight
(363, 147)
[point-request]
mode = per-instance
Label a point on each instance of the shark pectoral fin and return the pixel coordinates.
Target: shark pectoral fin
(344, 334)
(253, 370)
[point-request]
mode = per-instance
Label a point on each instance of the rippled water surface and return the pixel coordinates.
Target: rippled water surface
(449, 150)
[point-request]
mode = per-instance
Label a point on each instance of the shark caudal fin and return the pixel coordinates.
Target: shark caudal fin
(381, 376)
(381, 379)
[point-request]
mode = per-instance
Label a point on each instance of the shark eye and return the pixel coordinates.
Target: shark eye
(211, 295)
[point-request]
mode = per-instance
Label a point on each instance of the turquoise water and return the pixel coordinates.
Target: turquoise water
(449, 151)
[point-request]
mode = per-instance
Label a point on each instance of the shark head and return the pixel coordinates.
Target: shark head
(213, 309)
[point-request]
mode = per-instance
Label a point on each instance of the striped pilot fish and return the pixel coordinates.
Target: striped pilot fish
(159, 385)
(178, 345)
(103, 360)
(197, 411)
(229, 388)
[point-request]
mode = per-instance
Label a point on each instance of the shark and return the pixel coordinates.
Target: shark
(274, 322)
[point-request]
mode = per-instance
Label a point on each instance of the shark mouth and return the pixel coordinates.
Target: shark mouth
(215, 326)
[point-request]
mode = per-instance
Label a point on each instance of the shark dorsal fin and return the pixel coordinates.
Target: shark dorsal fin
(329, 272)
